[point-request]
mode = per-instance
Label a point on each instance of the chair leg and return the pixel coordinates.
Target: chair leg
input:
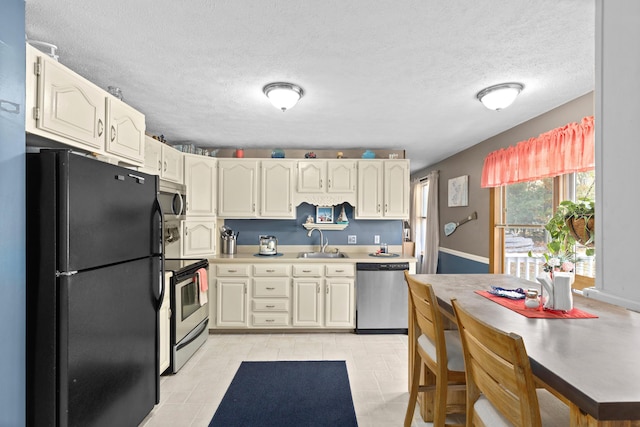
(440, 402)
(413, 393)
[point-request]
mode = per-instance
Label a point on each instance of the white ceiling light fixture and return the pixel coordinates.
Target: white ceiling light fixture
(499, 96)
(282, 95)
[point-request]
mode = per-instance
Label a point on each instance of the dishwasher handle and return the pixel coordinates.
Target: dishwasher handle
(382, 266)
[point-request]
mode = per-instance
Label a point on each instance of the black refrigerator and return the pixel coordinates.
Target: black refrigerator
(94, 285)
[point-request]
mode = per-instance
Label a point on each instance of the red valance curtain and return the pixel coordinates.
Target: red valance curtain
(563, 150)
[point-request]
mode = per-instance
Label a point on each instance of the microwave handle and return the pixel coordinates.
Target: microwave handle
(180, 211)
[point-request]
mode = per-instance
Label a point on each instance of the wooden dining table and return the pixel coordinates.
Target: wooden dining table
(593, 364)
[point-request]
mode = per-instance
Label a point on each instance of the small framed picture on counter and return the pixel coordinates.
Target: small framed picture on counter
(324, 215)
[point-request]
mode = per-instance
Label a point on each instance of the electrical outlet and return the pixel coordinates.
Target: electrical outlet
(352, 240)
(376, 239)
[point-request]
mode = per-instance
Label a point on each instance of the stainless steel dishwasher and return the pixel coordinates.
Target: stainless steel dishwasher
(381, 298)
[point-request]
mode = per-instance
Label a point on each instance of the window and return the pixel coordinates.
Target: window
(522, 210)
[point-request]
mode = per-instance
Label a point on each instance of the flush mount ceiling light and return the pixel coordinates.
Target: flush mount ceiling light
(283, 95)
(499, 96)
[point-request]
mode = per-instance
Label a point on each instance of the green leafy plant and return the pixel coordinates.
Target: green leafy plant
(573, 222)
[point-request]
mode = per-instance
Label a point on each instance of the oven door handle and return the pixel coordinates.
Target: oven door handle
(191, 336)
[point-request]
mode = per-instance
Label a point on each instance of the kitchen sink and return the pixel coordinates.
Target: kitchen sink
(322, 255)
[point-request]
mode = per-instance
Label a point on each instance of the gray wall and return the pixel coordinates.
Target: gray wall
(12, 226)
(473, 237)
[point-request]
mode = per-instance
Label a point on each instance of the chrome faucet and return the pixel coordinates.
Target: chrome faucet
(323, 245)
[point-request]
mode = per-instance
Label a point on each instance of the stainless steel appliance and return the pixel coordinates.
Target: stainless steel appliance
(381, 298)
(94, 288)
(172, 202)
(268, 245)
(190, 310)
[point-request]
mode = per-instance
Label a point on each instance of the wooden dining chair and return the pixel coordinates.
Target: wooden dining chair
(501, 390)
(436, 350)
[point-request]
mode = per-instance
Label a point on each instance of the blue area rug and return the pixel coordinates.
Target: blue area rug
(288, 394)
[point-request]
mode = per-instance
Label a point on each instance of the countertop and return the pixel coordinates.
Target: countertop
(290, 255)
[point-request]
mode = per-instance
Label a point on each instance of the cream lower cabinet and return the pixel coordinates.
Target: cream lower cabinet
(198, 238)
(307, 302)
(232, 284)
(164, 330)
(270, 296)
(339, 296)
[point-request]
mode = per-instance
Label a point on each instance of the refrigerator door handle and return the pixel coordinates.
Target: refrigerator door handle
(158, 244)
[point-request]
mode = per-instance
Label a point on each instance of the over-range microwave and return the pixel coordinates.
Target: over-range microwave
(172, 200)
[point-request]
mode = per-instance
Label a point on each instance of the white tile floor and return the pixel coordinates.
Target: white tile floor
(377, 366)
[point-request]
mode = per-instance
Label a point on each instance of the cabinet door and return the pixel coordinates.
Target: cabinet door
(237, 188)
(69, 105)
(125, 136)
(339, 303)
(164, 327)
(198, 238)
(306, 302)
(231, 300)
(172, 164)
(276, 185)
(396, 189)
(311, 176)
(370, 194)
(152, 156)
(341, 176)
(200, 179)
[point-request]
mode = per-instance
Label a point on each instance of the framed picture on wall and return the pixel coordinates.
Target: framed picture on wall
(458, 194)
(324, 215)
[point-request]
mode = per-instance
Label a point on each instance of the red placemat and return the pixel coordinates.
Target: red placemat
(517, 305)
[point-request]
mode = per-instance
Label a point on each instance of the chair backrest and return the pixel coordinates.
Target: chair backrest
(497, 367)
(427, 317)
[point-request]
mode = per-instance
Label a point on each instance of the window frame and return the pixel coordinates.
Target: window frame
(562, 190)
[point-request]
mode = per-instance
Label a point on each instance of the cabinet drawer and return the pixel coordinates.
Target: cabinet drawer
(271, 305)
(270, 319)
(308, 270)
(340, 270)
(278, 287)
(232, 270)
(271, 270)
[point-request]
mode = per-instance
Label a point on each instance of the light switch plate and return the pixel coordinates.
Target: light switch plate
(376, 239)
(351, 240)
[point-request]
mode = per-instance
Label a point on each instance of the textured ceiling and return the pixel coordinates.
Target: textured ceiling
(396, 74)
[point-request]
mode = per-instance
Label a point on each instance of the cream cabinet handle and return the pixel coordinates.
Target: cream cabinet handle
(271, 271)
(113, 133)
(270, 306)
(271, 289)
(100, 127)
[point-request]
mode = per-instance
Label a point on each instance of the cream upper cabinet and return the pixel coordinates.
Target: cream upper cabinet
(172, 164)
(67, 108)
(200, 177)
(312, 176)
(370, 190)
(237, 188)
(162, 160)
(65, 104)
(326, 182)
(341, 176)
(383, 189)
(396, 189)
(125, 136)
(276, 189)
(198, 238)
